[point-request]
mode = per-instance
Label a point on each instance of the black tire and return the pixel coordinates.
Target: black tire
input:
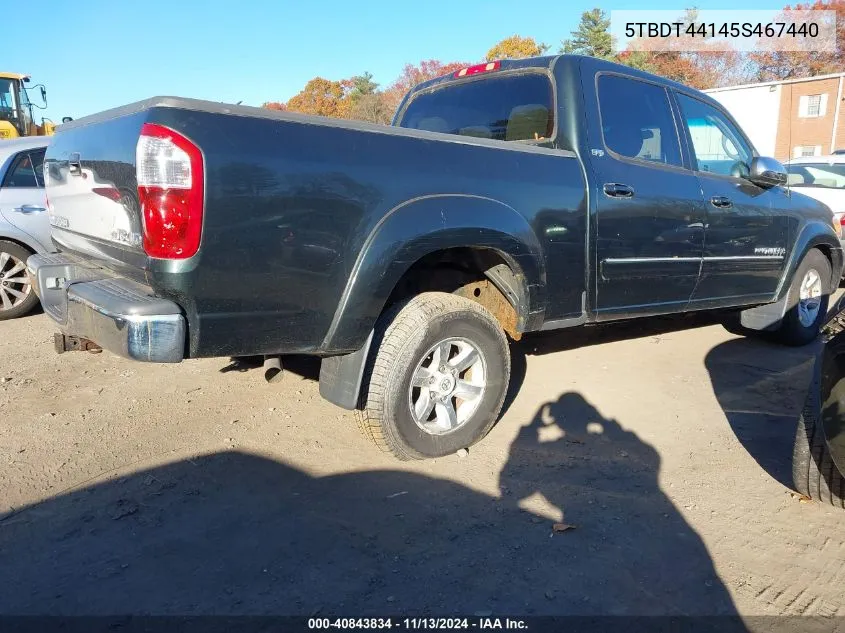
(28, 304)
(813, 472)
(731, 322)
(792, 331)
(404, 336)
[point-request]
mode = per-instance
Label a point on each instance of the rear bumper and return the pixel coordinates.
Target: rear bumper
(117, 314)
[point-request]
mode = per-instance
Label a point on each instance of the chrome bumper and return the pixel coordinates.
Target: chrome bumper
(117, 314)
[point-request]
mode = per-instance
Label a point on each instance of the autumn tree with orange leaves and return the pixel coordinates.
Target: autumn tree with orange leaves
(516, 47)
(412, 75)
(358, 97)
(676, 58)
(777, 65)
(321, 97)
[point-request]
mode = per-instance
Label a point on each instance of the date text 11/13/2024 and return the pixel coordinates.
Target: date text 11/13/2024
(482, 623)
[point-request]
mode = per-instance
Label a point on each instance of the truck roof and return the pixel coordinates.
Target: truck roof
(551, 61)
(13, 76)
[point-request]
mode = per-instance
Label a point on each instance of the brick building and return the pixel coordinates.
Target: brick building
(795, 117)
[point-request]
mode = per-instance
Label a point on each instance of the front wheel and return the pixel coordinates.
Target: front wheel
(808, 299)
(437, 377)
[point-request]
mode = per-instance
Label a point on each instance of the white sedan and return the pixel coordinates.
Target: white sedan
(24, 223)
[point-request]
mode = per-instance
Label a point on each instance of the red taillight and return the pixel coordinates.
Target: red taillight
(478, 68)
(170, 189)
(837, 223)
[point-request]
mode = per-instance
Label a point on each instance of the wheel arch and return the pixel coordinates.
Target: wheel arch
(813, 235)
(435, 224)
(21, 239)
(491, 231)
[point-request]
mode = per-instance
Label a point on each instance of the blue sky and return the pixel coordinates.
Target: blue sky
(98, 54)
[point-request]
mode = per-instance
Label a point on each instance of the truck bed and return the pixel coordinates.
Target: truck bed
(291, 204)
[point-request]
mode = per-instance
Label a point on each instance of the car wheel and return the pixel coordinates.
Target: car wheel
(437, 377)
(813, 472)
(17, 297)
(808, 299)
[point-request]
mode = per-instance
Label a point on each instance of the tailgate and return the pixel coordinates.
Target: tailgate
(92, 188)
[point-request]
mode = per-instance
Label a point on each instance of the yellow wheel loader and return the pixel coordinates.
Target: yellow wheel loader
(16, 117)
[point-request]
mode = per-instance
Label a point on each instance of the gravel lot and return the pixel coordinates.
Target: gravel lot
(199, 488)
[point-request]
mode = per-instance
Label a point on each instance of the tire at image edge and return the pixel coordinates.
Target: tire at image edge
(813, 471)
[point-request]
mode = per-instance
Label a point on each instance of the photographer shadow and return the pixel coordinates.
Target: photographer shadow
(631, 552)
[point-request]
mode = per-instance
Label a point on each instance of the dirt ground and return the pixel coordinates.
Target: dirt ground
(201, 489)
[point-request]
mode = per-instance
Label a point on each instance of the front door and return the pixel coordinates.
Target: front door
(649, 210)
(747, 233)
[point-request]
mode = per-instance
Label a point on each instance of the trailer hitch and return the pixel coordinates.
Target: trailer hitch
(65, 343)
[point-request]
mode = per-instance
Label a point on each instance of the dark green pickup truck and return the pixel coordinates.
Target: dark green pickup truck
(508, 197)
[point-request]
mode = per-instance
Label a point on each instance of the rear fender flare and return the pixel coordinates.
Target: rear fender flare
(405, 235)
(423, 226)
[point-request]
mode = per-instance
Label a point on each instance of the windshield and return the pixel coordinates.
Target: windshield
(505, 108)
(827, 175)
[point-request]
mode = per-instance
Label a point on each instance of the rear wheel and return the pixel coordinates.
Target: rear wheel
(437, 377)
(17, 297)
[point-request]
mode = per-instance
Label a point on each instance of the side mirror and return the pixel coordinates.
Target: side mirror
(767, 172)
(44, 94)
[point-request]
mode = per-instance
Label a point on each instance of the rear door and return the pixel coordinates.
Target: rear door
(747, 226)
(22, 199)
(649, 211)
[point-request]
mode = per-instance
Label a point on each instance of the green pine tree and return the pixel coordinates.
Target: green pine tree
(592, 37)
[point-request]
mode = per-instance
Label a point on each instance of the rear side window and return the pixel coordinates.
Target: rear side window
(26, 170)
(637, 121)
(505, 108)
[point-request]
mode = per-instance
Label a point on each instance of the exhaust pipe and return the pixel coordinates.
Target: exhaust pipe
(273, 371)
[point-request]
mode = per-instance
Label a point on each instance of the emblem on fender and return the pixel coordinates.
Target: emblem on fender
(770, 250)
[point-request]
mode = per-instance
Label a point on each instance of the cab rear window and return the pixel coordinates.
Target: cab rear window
(505, 108)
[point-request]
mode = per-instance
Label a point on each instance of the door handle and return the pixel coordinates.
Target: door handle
(721, 202)
(30, 208)
(618, 190)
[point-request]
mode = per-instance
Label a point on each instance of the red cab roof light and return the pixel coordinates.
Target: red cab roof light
(478, 68)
